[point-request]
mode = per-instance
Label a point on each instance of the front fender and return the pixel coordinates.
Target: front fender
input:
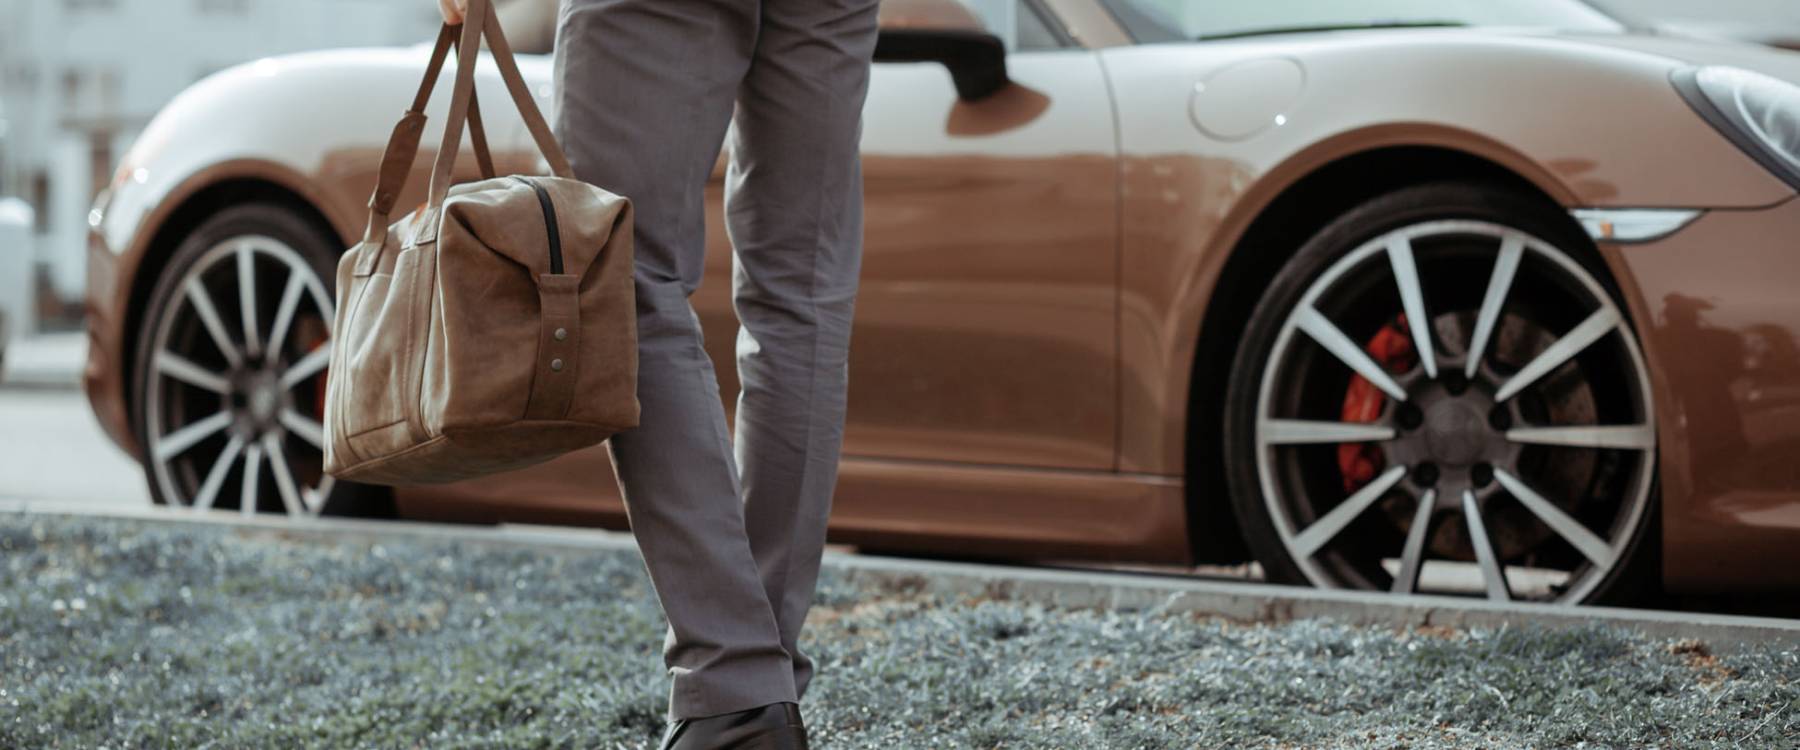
(1588, 124)
(313, 125)
(322, 118)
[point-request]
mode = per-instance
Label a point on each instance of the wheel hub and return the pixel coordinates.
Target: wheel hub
(264, 398)
(1456, 432)
(1450, 428)
(256, 397)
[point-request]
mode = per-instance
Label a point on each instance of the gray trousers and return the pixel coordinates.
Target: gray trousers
(646, 91)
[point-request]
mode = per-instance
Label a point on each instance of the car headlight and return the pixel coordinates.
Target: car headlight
(1759, 113)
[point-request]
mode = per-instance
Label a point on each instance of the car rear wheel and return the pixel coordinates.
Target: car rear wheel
(231, 368)
(1439, 395)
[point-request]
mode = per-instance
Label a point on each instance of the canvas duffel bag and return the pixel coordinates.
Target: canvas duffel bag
(492, 328)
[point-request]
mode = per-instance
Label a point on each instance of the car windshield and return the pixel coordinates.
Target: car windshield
(1173, 20)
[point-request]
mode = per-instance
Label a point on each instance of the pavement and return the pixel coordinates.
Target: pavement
(53, 450)
(51, 445)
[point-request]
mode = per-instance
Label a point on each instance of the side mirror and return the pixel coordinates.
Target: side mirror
(945, 32)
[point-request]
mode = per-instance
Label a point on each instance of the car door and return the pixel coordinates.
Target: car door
(985, 326)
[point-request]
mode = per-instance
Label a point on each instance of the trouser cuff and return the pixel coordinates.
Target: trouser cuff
(728, 688)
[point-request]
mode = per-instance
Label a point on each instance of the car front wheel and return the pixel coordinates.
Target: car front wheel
(231, 368)
(1438, 394)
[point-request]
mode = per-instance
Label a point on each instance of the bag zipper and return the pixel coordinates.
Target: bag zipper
(543, 197)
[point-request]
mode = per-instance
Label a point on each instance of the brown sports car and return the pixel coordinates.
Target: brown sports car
(1496, 298)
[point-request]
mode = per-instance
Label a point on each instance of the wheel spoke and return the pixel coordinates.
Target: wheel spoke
(1323, 331)
(1491, 573)
(246, 273)
(1621, 437)
(1332, 523)
(1512, 250)
(311, 364)
(1602, 322)
(252, 477)
(315, 496)
(1302, 432)
(1587, 542)
(320, 298)
(184, 370)
(1412, 301)
(209, 317)
(305, 427)
(284, 314)
(284, 479)
(1412, 556)
(1326, 339)
(209, 489)
(177, 442)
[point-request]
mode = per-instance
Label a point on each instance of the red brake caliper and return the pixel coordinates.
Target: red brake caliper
(1391, 347)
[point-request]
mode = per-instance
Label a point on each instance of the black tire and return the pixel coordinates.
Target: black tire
(307, 249)
(1631, 572)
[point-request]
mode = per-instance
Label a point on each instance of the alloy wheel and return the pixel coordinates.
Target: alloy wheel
(1494, 434)
(235, 389)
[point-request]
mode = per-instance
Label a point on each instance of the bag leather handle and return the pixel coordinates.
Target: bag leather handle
(403, 144)
(483, 22)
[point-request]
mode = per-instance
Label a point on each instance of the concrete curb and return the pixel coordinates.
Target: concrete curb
(34, 383)
(1265, 603)
(1241, 602)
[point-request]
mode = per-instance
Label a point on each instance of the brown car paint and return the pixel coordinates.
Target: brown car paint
(1037, 279)
(1726, 332)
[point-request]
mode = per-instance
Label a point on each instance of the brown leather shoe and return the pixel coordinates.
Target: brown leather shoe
(776, 726)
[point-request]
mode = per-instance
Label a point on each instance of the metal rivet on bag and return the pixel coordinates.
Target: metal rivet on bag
(556, 365)
(561, 334)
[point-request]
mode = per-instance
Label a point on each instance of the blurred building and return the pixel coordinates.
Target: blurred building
(80, 78)
(17, 315)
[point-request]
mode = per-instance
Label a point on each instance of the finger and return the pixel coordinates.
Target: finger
(452, 14)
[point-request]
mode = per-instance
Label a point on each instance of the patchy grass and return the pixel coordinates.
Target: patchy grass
(123, 635)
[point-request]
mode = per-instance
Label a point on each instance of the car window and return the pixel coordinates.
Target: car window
(1170, 20)
(1018, 23)
(1035, 31)
(531, 24)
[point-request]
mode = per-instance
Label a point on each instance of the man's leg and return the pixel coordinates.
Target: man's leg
(794, 207)
(646, 90)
